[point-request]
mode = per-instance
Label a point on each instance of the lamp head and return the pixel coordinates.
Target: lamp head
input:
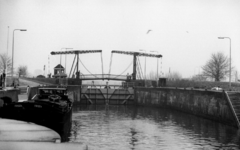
(23, 29)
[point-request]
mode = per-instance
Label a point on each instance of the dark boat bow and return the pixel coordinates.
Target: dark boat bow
(50, 107)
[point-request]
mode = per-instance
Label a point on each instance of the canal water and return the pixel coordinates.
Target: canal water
(144, 128)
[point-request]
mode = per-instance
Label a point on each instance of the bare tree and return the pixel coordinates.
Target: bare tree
(5, 64)
(217, 67)
(22, 71)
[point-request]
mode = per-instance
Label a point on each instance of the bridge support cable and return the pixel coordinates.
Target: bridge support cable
(140, 69)
(72, 66)
(124, 70)
(87, 69)
(138, 76)
(110, 65)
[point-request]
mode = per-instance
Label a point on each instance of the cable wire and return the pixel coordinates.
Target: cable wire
(139, 68)
(87, 69)
(124, 70)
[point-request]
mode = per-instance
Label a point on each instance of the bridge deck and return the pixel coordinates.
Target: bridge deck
(104, 77)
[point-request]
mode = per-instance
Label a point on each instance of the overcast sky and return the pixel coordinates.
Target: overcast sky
(185, 32)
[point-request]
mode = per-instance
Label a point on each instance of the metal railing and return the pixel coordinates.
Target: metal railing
(103, 76)
(98, 86)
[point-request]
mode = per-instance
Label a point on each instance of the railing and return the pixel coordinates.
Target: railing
(96, 86)
(103, 76)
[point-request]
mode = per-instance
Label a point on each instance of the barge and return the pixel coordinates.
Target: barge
(50, 107)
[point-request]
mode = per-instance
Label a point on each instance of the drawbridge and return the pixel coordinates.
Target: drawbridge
(107, 94)
(76, 60)
(136, 73)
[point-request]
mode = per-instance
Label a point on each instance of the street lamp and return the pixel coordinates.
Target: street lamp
(144, 66)
(157, 63)
(230, 59)
(13, 47)
(6, 70)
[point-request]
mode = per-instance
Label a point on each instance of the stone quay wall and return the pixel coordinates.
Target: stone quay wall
(208, 104)
(13, 94)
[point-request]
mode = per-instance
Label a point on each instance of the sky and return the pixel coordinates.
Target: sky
(184, 32)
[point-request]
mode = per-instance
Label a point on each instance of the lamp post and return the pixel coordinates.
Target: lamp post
(157, 63)
(144, 66)
(13, 47)
(6, 70)
(230, 60)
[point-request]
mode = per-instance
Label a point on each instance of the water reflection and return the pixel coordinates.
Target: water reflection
(126, 127)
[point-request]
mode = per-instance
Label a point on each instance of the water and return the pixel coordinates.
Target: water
(141, 128)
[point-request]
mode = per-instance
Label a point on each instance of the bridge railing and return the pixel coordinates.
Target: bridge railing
(100, 86)
(103, 76)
